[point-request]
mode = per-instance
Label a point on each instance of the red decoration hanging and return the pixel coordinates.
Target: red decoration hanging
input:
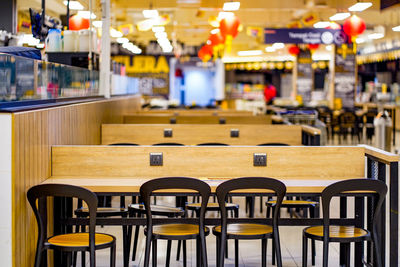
(229, 26)
(312, 47)
(215, 39)
(294, 50)
(77, 23)
(354, 26)
(205, 53)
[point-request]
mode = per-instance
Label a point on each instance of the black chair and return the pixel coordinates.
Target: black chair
(239, 231)
(168, 144)
(212, 144)
(72, 242)
(175, 231)
(123, 144)
(345, 234)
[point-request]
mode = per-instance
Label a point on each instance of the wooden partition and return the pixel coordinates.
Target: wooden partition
(197, 119)
(34, 132)
(144, 134)
(202, 112)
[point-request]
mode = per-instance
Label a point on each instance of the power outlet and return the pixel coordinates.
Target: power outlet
(172, 121)
(167, 132)
(222, 121)
(260, 159)
(156, 159)
(235, 133)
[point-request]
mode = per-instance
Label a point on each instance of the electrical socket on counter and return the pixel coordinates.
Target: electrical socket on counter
(259, 159)
(156, 159)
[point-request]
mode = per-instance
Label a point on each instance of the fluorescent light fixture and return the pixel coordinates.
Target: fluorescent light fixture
(214, 31)
(225, 15)
(231, 6)
(322, 24)
(328, 48)
(278, 45)
(396, 29)
(86, 14)
(97, 23)
(360, 6)
(150, 13)
(270, 49)
(317, 57)
(40, 46)
(360, 40)
(74, 5)
(375, 35)
(250, 53)
(160, 35)
(122, 40)
(132, 48)
(340, 16)
(115, 34)
(158, 29)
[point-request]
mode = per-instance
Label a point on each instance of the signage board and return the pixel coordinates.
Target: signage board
(304, 36)
(345, 76)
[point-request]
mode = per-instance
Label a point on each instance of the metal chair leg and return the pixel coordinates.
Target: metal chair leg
(305, 244)
(184, 253)
(135, 242)
(236, 252)
(154, 256)
(168, 259)
(264, 253)
(325, 254)
(178, 250)
(147, 252)
(112, 255)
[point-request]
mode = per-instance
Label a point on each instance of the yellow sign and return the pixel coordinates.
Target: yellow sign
(144, 64)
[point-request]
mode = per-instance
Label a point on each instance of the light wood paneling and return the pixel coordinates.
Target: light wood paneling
(202, 112)
(197, 119)
(219, 162)
(34, 132)
(144, 134)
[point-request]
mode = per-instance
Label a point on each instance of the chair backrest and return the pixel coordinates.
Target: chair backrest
(186, 183)
(168, 144)
(347, 119)
(278, 188)
(273, 144)
(123, 144)
(39, 193)
(363, 186)
(212, 144)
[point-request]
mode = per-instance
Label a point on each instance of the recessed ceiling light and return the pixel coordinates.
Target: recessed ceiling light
(150, 13)
(250, 53)
(278, 45)
(396, 29)
(122, 40)
(115, 34)
(225, 15)
(74, 5)
(322, 24)
(360, 6)
(360, 40)
(340, 16)
(214, 31)
(231, 6)
(375, 35)
(270, 49)
(158, 29)
(161, 35)
(86, 14)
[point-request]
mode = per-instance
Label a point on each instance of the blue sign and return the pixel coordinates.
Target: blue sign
(304, 36)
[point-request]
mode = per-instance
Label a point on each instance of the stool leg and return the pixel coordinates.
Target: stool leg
(236, 252)
(168, 259)
(83, 254)
(198, 253)
(218, 250)
(125, 244)
(112, 256)
(261, 204)
(313, 253)
(178, 250)
(154, 259)
(184, 253)
(147, 252)
(325, 254)
(135, 242)
(264, 253)
(304, 251)
(347, 249)
(273, 252)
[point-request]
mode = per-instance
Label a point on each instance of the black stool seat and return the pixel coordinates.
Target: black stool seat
(102, 212)
(157, 210)
(177, 230)
(212, 206)
(337, 233)
(245, 231)
(80, 241)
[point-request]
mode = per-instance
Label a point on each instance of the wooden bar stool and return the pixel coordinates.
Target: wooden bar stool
(176, 231)
(248, 231)
(346, 234)
(156, 210)
(72, 242)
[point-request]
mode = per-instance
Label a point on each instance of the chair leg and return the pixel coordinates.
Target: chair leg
(325, 254)
(218, 251)
(198, 253)
(112, 255)
(184, 253)
(39, 254)
(277, 248)
(69, 258)
(273, 252)
(222, 251)
(347, 250)
(261, 204)
(264, 253)
(313, 252)
(125, 245)
(236, 252)
(147, 252)
(83, 253)
(135, 242)
(305, 244)
(154, 256)
(178, 250)
(377, 249)
(168, 259)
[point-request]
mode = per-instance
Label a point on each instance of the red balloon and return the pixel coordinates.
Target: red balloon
(215, 39)
(294, 50)
(77, 23)
(313, 46)
(354, 26)
(229, 26)
(205, 53)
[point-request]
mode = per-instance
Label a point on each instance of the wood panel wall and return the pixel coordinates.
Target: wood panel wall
(34, 132)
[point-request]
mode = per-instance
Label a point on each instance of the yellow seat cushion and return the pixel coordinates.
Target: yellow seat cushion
(294, 202)
(336, 231)
(177, 229)
(78, 240)
(211, 205)
(246, 229)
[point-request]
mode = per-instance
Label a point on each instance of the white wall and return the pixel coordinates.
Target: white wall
(5, 190)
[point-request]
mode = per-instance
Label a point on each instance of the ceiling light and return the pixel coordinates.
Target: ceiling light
(375, 35)
(225, 15)
(40, 46)
(74, 5)
(122, 40)
(160, 35)
(214, 31)
(278, 45)
(360, 6)
(150, 13)
(328, 48)
(86, 14)
(360, 40)
(250, 53)
(97, 23)
(270, 49)
(396, 29)
(231, 6)
(115, 34)
(340, 16)
(322, 24)
(158, 29)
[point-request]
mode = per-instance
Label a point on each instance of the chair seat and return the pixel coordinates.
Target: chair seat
(212, 206)
(102, 212)
(80, 240)
(157, 210)
(296, 203)
(245, 230)
(174, 230)
(336, 232)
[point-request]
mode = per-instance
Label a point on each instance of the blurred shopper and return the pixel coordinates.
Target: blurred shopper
(269, 93)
